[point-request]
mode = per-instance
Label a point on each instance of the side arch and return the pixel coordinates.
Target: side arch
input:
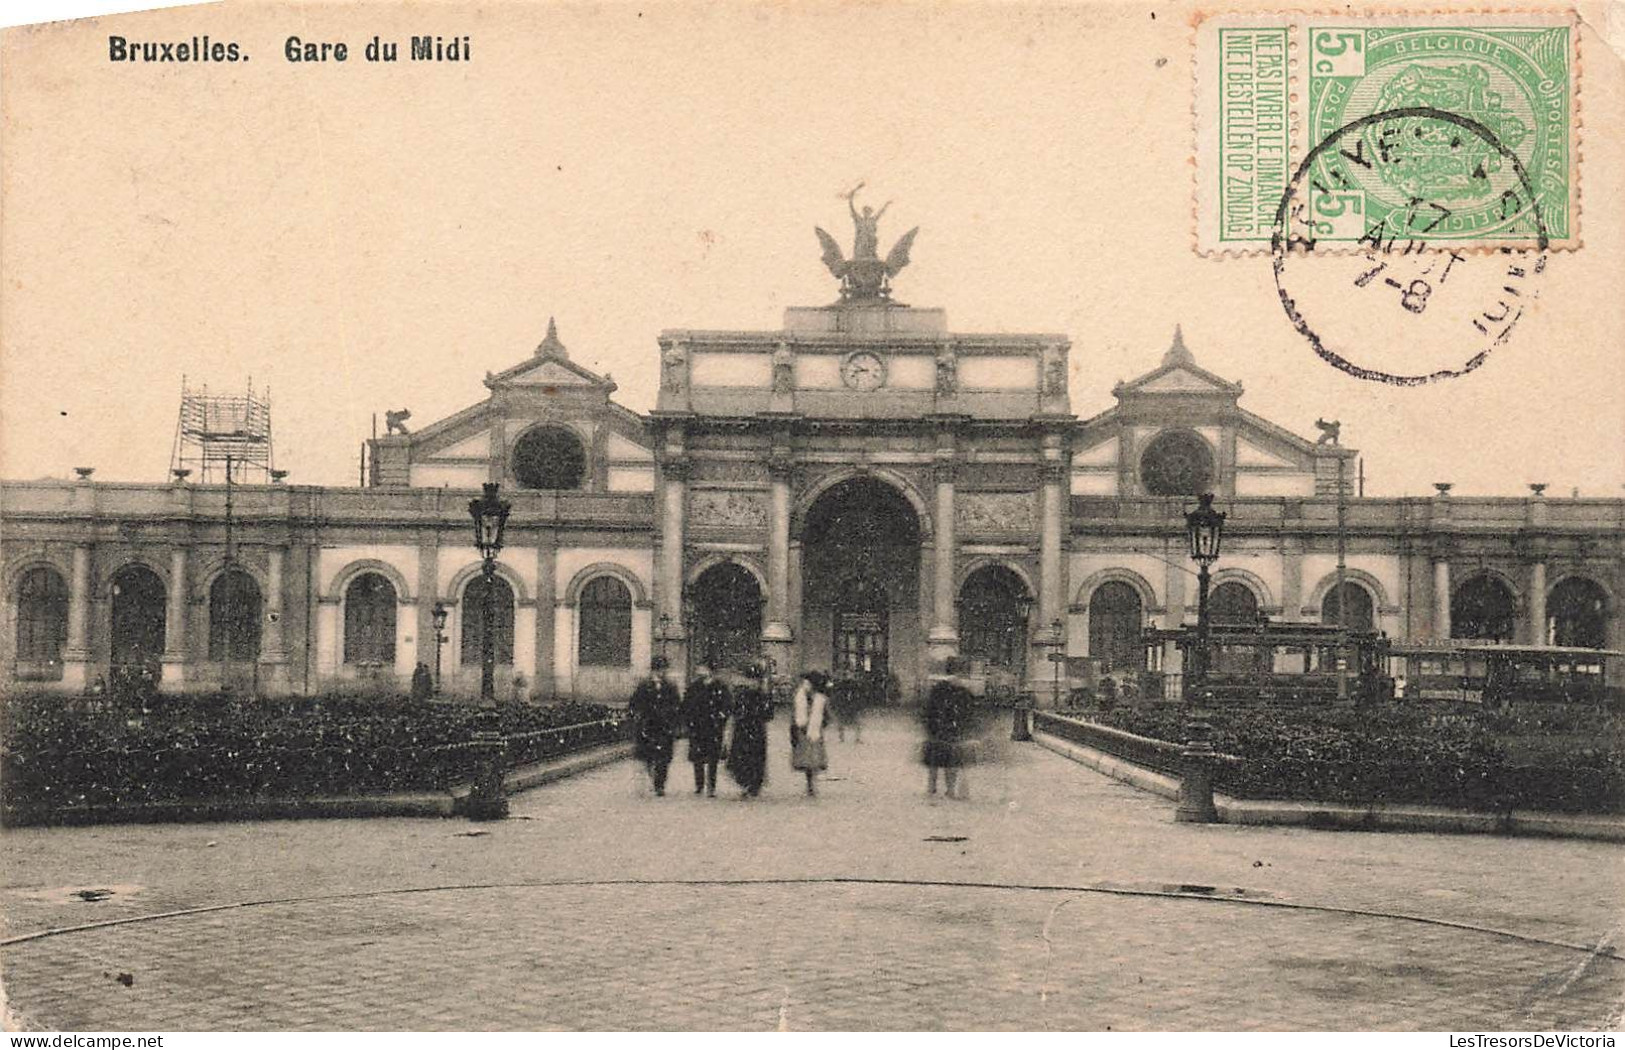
(1379, 594)
(976, 565)
(461, 579)
(340, 583)
(1092, 583)
(640, 594)
(28, 562)
(204, 578)
(711, 561)
(1585, 577)
(1250, 580)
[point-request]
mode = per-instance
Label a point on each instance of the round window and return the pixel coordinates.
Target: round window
(549, 458)
(1177, 463)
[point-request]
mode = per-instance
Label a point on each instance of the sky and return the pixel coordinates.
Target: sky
(359, 237)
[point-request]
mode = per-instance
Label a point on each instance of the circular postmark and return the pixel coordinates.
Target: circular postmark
(1375, 195)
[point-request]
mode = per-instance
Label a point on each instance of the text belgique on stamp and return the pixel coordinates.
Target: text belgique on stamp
(1457, 129)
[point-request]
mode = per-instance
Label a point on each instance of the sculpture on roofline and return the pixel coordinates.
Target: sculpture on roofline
(865, 278)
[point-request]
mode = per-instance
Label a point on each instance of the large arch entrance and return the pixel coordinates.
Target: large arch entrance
(727, 622)
(860, 602)
(138, 618)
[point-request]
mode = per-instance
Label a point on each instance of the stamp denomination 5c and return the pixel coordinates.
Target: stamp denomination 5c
(1463, 94)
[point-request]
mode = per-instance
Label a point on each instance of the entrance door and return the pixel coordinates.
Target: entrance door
(861, 635)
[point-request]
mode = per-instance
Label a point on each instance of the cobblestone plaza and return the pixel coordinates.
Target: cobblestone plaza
(1053, 898)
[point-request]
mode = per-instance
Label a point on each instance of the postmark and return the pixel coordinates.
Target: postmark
(1401, 308)
(1271, 88)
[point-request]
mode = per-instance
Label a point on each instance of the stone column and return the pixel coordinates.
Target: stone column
(1051, 581)
(174, 658)
(943, 639)
(76, 657)
(776, 632)
(273, 651)
(1537, 603)
(673, 519)
(1441, 598)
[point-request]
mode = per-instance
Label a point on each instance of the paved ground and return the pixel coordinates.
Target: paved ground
(1052, 899)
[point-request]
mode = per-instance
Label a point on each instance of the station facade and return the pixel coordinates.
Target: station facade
(859, 489)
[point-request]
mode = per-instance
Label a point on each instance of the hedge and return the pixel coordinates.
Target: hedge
(1564, 758)
(211, 748)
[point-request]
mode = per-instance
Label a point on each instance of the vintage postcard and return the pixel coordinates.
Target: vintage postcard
(598, 516)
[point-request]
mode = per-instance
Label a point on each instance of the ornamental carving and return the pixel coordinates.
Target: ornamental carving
(981, 512)
(727, 508)
(727, 470)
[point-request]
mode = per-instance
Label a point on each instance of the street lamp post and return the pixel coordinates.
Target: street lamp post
(490, 514)
(1021, 727)
(1205, 529)
(1057, 657)
(438, 614)
(486, 800)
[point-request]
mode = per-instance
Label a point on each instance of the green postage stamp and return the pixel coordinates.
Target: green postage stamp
(1450, 130)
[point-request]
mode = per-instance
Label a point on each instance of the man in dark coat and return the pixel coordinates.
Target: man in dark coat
(747, 753)
(705, 711)
(656, 711)
(947, 718)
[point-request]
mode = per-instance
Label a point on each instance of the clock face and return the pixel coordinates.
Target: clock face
(863, 371)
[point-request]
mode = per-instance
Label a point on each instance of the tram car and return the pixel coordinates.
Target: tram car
(1497, 674)
(1274, 662)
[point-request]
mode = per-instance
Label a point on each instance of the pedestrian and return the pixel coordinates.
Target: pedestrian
(746, 746)
(846, 697)
(422, 683)
(705, 712)
(810, 712)
(947, 721)
(656, 711)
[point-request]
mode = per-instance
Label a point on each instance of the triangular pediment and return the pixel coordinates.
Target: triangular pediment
(1250, 454)
(1181, 381)
(620, 448)
(552, 373)
(476, 447)
(1101, 455)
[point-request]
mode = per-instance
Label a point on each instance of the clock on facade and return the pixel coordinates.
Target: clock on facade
(863, 371)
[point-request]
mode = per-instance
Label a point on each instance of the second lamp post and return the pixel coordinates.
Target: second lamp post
(490, 514)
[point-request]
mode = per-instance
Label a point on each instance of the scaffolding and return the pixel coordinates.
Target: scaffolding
(223, 437)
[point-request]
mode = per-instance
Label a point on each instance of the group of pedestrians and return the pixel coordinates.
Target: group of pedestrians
(728, 726)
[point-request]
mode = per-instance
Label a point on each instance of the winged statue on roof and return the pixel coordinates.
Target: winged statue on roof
(865, 277)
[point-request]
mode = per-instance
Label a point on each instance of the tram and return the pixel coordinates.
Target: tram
(1281, 662)
(1496, 674)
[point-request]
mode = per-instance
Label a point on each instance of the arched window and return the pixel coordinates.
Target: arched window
(234, 617)
(42, 620)
(1361, 614)
(474, 621)
(1578, 611)
(1177, 463)
(1483, 608)
(1233, 602)
(1116, 616)
(549, 458)
(726, 629)
(369, 620)
(606, 624)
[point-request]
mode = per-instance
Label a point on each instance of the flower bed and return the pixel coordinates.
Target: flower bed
(210, 748)
(1549, 757)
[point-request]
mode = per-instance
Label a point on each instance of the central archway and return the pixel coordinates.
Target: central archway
(860, 603)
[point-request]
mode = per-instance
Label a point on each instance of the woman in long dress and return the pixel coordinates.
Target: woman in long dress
(747, 744)
(810, 711)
